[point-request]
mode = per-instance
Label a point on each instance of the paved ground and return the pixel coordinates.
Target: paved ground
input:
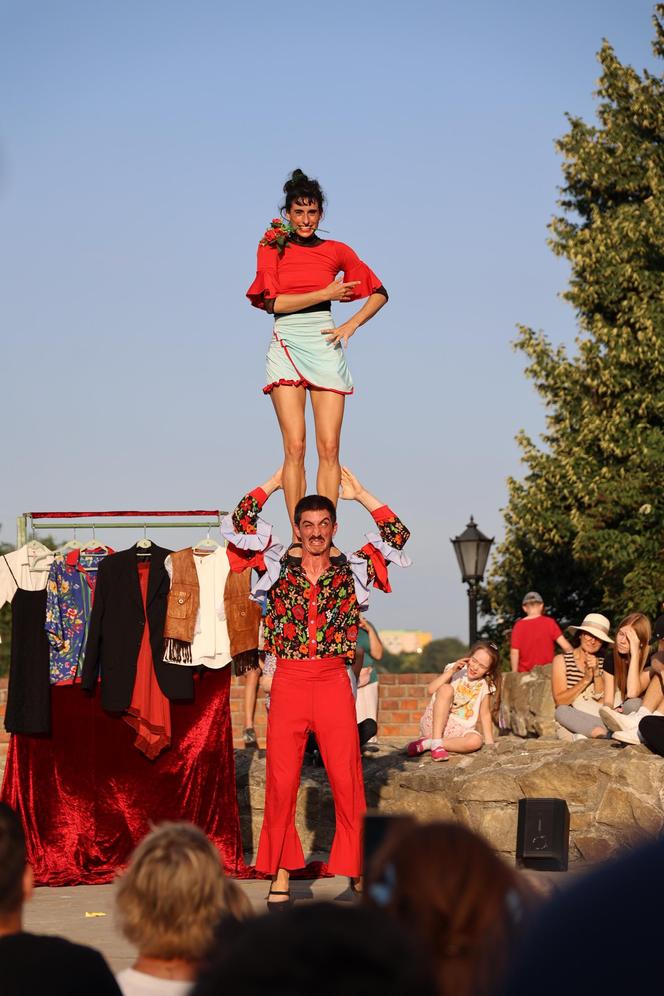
(63, 911)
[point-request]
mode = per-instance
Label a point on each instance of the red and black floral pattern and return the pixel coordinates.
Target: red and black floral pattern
(305, 620)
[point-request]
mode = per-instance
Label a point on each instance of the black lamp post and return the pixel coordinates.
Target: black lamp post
(472, 552)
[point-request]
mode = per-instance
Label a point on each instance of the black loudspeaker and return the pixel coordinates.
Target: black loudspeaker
(542, 834)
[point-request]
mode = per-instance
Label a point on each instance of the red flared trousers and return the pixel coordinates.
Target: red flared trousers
(312, 695)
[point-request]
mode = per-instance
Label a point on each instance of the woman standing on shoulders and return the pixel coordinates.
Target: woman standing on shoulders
(296, 281)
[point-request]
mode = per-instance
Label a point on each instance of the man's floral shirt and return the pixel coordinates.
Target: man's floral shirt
(305, 620)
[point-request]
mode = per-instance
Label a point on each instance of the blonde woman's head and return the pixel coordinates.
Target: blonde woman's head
(174, 892)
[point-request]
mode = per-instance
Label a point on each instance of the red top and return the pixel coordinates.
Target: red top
(303, 269)
(535, 639)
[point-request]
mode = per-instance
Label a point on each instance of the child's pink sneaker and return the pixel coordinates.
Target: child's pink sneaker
(416, 747)
(439, 754)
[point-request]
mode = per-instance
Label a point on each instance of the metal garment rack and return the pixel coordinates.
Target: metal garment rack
(29, 522)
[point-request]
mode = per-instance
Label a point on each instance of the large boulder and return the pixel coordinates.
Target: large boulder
(615, 795)
(526, 703)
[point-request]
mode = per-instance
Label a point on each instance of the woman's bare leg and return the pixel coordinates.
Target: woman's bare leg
(328, 416)
(250, 695)
(289, 405)
(441, 710)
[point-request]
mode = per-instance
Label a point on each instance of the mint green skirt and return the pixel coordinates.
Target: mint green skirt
(299, 356)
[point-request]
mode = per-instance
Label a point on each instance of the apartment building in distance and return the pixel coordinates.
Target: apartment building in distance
(405, 641)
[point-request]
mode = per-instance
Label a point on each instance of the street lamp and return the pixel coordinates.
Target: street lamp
(472, 552)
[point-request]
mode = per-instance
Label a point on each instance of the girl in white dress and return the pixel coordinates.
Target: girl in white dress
(460, 699)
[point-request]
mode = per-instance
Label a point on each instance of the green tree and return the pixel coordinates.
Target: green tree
(437, 654)
(586, 524)
(434, 657)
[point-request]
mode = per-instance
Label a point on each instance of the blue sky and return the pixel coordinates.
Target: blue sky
(142, 151)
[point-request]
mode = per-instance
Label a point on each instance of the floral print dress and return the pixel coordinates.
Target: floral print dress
(69, 593)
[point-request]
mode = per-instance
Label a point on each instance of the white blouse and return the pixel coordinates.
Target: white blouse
(30, 575)
(211, 644)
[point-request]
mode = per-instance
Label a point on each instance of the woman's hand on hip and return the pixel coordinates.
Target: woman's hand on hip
(341, 334)
(340, 291)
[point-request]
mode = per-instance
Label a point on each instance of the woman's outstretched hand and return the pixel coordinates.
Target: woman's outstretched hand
(341, 334)
(273, 483)
(340, 291)
(351, 489)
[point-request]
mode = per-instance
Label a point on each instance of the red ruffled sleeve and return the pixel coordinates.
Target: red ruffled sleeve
(355, 269)
(266, 283)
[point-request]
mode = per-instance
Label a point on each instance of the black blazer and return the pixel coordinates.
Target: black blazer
(116, 630)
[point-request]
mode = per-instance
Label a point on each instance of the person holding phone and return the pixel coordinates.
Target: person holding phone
(460, 700)
(297, 279)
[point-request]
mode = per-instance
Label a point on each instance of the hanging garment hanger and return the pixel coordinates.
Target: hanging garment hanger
(72, 544)
(206, 545)
(93, 544)
(144, 544)
(42, 552)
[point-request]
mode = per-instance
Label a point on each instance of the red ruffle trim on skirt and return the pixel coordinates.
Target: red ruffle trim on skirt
(286, 383)
(303, 383)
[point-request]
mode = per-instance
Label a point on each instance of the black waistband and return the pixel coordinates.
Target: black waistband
(325, 306)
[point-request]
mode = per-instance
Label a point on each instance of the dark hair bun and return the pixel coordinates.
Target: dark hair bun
(296, 177)
(299, 187)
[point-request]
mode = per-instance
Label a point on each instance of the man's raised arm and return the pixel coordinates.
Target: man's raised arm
(245, 515)
(391, 528)
(249, 537)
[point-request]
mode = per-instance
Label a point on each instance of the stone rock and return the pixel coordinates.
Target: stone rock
(497, 824)
(491, 786)
(526, 703)
(594, 847)
(630, 812)
(615, 795)
(576, 783)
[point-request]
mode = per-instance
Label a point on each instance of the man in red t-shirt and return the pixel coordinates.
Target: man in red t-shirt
(534, 637)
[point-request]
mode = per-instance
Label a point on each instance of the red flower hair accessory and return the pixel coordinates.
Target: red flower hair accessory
(277, 235)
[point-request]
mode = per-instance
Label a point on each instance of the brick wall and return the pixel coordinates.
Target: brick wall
(402, 698)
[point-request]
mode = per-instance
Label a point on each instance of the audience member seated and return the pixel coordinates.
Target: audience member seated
(645, 726)
(460, 699)
(626, 677)
(33, 963)
(577, 680)
(545, 963)
(534, 638)
(447, 886)
(323, 949)
(169, 904)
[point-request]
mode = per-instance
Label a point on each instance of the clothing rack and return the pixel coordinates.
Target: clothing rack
(29, 522)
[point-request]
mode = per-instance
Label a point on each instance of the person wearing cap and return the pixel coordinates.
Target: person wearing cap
(577, 680)
(646, 680)
(534, 637)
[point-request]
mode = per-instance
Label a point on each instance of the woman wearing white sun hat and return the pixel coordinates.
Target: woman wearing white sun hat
(577, 681)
